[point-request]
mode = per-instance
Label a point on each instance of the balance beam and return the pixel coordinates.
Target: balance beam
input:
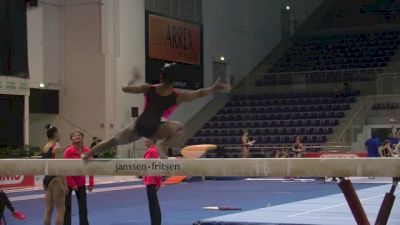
(312, 167)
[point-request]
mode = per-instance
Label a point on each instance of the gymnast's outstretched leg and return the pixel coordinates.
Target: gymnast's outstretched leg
(125, 136)
(172, 132)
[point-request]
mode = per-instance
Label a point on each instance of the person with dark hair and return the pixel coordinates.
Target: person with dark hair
(95, 141)
(160, 101)
(246, 143)
(347, 92)
(77, 183)
(5, 202)
(393, 139)
(386, 150)
(55, 186)
(153, 184)
(372, 145)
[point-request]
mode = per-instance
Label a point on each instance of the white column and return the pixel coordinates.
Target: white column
(26, 119)
(110, 49)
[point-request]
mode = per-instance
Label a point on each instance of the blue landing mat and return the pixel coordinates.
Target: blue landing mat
(245, 223)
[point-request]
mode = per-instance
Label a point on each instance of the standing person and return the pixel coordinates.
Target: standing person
(153, 184)
(160, 101)
(77, 183)
(246, 143)
(95, 141)
(55, 186)
(5, 202)
(372, 145)
(298, 148)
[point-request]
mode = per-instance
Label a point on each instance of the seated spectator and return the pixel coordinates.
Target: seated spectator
(276, 154)
(386, 150)
(392, 140)
(347, 92)
(284, 153)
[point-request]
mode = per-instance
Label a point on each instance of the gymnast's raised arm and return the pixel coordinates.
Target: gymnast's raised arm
(130, 87)
(193, 95)
(136, 89)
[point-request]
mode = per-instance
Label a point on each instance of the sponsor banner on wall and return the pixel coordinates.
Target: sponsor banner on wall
(334, 155)
(174, 40)
(16, 181)
(14, 86)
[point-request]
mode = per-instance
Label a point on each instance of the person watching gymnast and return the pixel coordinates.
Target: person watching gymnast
(246, 143)
(77, 183)
(55, 187)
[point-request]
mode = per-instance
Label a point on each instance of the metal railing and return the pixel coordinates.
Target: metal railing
(372, 81)
(321, 77)
(360, 118)
(348, 135)
(388, 83)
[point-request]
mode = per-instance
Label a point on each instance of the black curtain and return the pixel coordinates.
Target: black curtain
(13, 38)
(11, 120)
(3, 48)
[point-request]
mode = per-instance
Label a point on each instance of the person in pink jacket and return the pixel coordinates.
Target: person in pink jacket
(153, 184)
(77, 183)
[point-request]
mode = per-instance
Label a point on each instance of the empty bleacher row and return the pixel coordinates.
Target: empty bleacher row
(291, 103)
(316, 77)
(285, 112)
(275, 119)
(336, 52)
(260, 140)
(277, 113)
(360, 13)
(236, 153)
(386, 106)
(296, 122)
(233, 131)
(274, 97)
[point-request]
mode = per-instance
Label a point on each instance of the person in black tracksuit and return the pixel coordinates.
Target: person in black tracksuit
(5, 202)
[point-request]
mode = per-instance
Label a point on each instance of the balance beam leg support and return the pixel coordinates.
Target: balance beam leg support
(387, 205)
(386, 208)
(354, 202)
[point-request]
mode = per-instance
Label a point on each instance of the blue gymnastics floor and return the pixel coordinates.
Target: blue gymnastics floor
(262, 201)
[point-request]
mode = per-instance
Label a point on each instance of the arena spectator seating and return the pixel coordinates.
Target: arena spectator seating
(334, 58)
(275, 119)
(360, 13)
(386, 106)
(338, 52)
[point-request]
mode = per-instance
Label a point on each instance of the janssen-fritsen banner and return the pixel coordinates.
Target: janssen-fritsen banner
(174, 40)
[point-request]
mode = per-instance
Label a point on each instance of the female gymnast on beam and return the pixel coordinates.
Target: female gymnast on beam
(160, 100)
